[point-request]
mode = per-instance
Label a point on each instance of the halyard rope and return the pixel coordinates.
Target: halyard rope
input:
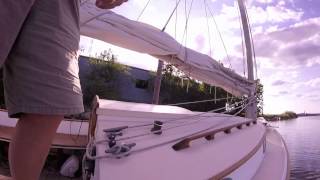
(92, 143)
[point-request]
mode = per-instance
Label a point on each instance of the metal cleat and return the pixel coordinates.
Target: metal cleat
(157, 125)
(112, 133)
(116, 129)
(120, 151)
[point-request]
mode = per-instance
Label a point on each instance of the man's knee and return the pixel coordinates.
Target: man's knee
(40, 120)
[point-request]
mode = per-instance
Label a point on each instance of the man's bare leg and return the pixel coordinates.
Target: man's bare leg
(30, 146)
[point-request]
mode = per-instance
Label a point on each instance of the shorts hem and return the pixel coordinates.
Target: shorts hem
(16, 112)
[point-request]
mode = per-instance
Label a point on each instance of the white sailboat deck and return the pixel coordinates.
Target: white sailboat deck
(203, 160)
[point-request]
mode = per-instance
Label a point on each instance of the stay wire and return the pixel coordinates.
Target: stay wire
(91, 143)
(75, 139)
(144, 8)
(169, 128)
(184, 36)
(174, 10)
(176, 20)
(196, 102)
(183, 118)
(208, 27)
(224, 45)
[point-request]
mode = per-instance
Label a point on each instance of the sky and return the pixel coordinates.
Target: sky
(286, 36)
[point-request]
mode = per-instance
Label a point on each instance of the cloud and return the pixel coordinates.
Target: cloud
(310, 86)
(273, 14)
(313, 97)
(200, 42)
(281, 3)
(292, 47)
(279, 83)
(237, 64)
(279, 94)
(283, 92)
(315, 83)
(140, 3)
(265, 1)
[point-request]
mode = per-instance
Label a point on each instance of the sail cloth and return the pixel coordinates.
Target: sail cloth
(115, 29)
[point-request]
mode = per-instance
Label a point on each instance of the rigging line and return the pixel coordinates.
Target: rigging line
(189, 116)
(224, 45)
(162, 130)
(173, 127)
(205, 8)
(126, 138)
(184, 38)
(177, 119)
(180, 138)
(75, 139)
(91, 141)
(175, 26)
(94, 17)
(144, 8)
(195, 102)
(214, 110)
(200, 114)
(174, 10)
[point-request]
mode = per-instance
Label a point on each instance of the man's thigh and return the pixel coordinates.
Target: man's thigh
(41, 72)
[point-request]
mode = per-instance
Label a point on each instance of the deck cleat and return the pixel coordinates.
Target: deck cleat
(116, 129)
(157, 125)
(113, 133)
(120, 151)
(112, 138)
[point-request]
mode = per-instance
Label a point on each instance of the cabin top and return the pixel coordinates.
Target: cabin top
(107, 105)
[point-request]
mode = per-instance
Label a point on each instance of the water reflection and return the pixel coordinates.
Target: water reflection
(303, 140)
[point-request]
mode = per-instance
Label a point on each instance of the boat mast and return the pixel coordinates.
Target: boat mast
(157, 83)
(251, 111)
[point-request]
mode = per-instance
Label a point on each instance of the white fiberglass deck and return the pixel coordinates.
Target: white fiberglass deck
(203, 160)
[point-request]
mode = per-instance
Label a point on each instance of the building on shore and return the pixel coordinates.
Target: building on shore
(136, 85)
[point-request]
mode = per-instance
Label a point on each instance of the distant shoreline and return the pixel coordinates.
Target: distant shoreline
(305, 115)
(279, 119)
(288, 115)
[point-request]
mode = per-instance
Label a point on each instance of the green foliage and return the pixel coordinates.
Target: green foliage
(259, 96)
(288, 115)
(107, 55)
(176, 88)
(101, 80)
(284, 116)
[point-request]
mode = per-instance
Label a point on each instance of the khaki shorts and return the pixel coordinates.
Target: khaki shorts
(38, 51)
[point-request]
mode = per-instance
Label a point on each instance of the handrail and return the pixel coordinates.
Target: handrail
(93, 117)
(185, 143)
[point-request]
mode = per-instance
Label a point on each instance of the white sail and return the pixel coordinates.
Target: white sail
(115, 29)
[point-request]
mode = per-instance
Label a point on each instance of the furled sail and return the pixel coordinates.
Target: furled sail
(115, 29)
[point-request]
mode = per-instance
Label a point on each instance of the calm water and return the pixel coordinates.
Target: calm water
(303, 140)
